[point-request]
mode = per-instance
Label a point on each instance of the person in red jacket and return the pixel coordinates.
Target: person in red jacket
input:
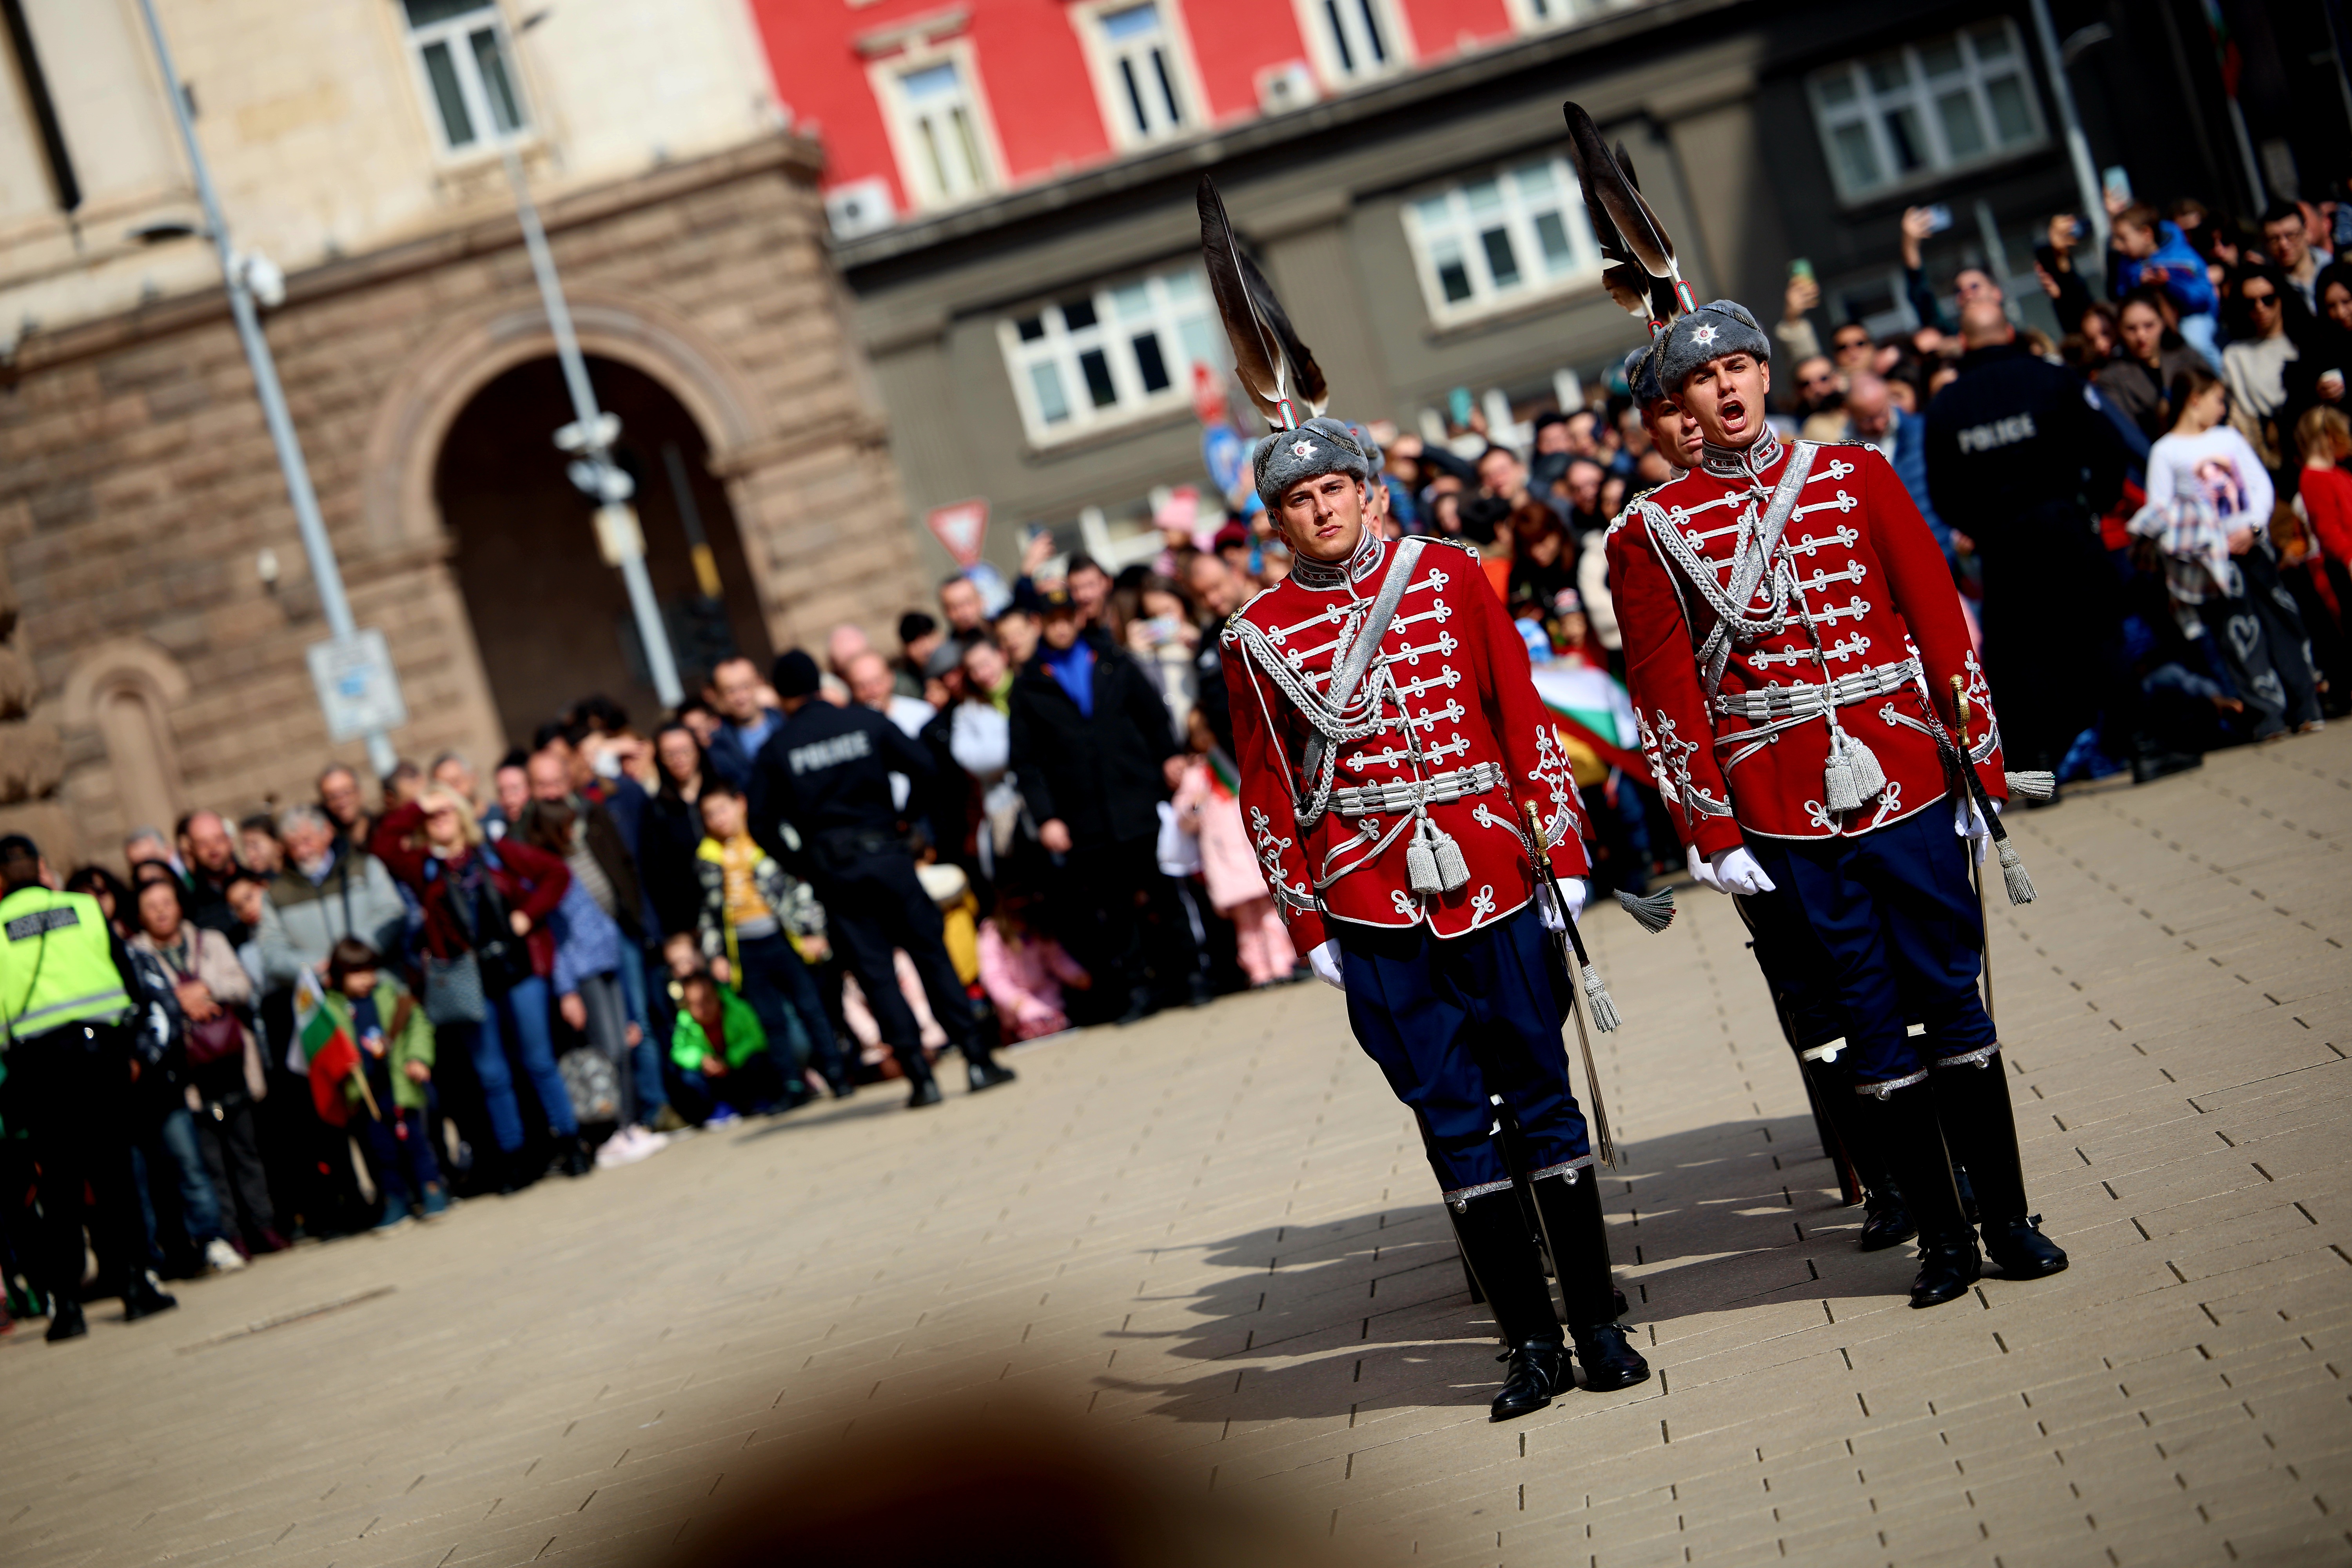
(1793, 643)
(1385, 771)
(491, 901)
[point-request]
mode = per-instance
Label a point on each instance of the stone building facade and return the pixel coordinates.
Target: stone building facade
(159, 598)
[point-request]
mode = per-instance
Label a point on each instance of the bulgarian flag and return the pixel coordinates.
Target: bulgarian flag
(1591, 709)
(329, 1052)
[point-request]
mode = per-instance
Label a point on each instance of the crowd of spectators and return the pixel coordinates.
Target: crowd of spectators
(358, 1008)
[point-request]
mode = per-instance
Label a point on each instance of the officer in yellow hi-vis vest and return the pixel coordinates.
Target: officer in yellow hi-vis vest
(66, 993)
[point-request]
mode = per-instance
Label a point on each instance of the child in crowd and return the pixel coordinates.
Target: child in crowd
(2324, 497)
(1023, 971)
(720, 1050)
(2324, 489)
(1206, 807)
(395, 1047)
(751, 911)
(2208, 511)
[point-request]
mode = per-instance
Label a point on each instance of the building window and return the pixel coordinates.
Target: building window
(935, 123)
(1929, 108)
(1138, 68)
(1353, 40)
(461, 51)
(1489, 243)
(1091, 361)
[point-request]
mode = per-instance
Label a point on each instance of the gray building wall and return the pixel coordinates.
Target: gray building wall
(1708, 96)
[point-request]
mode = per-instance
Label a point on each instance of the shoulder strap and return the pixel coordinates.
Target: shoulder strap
(1367, 646)
(1754, 563)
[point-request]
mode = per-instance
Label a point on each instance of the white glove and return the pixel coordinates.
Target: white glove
(1324, 960)
(1575, 891)
(1737, 872)
(1701, 872)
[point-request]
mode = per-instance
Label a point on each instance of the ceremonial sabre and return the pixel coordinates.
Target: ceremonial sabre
(1596, 994)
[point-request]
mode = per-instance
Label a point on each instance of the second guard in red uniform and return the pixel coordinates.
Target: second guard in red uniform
(1813, 711)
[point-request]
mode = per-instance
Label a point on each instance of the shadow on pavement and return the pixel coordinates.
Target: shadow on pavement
(1373, 1311)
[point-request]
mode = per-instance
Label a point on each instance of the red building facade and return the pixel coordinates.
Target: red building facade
(923, 106)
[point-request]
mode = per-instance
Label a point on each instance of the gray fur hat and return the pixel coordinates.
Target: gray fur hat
(1715, 329)
(1321, 446)
(1642, 373)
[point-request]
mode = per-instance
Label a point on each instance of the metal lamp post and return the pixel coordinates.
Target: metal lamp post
(316, 544)
(592, 434)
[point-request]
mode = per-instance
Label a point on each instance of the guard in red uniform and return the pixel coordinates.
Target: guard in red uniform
(1390, 737)
(1792, 639)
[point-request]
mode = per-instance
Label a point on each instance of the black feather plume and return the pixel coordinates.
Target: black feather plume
(1257, 353)
(1302, 374)
(1607, 185)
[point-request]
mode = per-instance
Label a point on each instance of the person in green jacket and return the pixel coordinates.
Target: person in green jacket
(738, 1075)
(392, 1086)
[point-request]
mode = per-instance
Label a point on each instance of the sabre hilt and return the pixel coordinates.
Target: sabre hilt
(1551, 879)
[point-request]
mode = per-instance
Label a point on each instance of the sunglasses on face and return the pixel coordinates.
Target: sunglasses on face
(1849, 343)
(2262, 301)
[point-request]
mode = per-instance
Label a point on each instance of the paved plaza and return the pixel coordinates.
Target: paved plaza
(1215, 1237)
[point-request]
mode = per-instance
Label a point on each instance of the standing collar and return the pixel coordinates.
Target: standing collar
(1742, 463)
(1308, 573)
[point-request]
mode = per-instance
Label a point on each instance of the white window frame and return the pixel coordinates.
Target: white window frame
(1516, 206)
(1868, 111)
(1551, 15)
(1339, 73)
(1104, 57)
(1174, 307)
(899, 117)
(456, 34)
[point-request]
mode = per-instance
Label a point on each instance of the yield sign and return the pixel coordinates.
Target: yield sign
(961, 528)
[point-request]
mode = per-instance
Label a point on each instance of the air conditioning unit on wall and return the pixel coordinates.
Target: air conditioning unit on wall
(860, 208)
(1285, 87)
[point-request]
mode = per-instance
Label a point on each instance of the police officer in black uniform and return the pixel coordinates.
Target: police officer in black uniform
(2021, 460)
(827, 774)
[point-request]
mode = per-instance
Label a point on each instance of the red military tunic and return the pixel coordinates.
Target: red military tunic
(1447, 722)
(1867, 623)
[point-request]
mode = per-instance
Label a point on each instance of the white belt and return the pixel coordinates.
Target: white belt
(1410, 795)
(1801, 701)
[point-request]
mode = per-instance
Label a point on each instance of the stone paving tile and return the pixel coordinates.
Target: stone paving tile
(1216, 1236)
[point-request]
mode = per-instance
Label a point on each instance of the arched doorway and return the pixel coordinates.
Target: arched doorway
(551, 618)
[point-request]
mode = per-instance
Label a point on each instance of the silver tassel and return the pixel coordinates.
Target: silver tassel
(1421, 861)
(1453, 871)
(1869, 778)
(2012, 874)
(2032, 784)
(1840, 788)
(1596, 997)
(1653, 913)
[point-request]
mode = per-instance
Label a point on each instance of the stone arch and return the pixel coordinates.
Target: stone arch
(125, 690)
(422, 402)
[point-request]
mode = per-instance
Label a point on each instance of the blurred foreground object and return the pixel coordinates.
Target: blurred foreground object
(1004, 1483)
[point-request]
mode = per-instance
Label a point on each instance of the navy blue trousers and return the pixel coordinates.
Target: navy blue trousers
(1881, 928)
(1453, 1022)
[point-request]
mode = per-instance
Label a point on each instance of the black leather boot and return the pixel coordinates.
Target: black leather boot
(1886, 1218)
(142, 1300)
(1903, 1127)
(1141, 1004)
(1973, 1101)
(66, 1321)
(1496, 1240)
(577, 1159)
(981, 1067)
(1569, 1205)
